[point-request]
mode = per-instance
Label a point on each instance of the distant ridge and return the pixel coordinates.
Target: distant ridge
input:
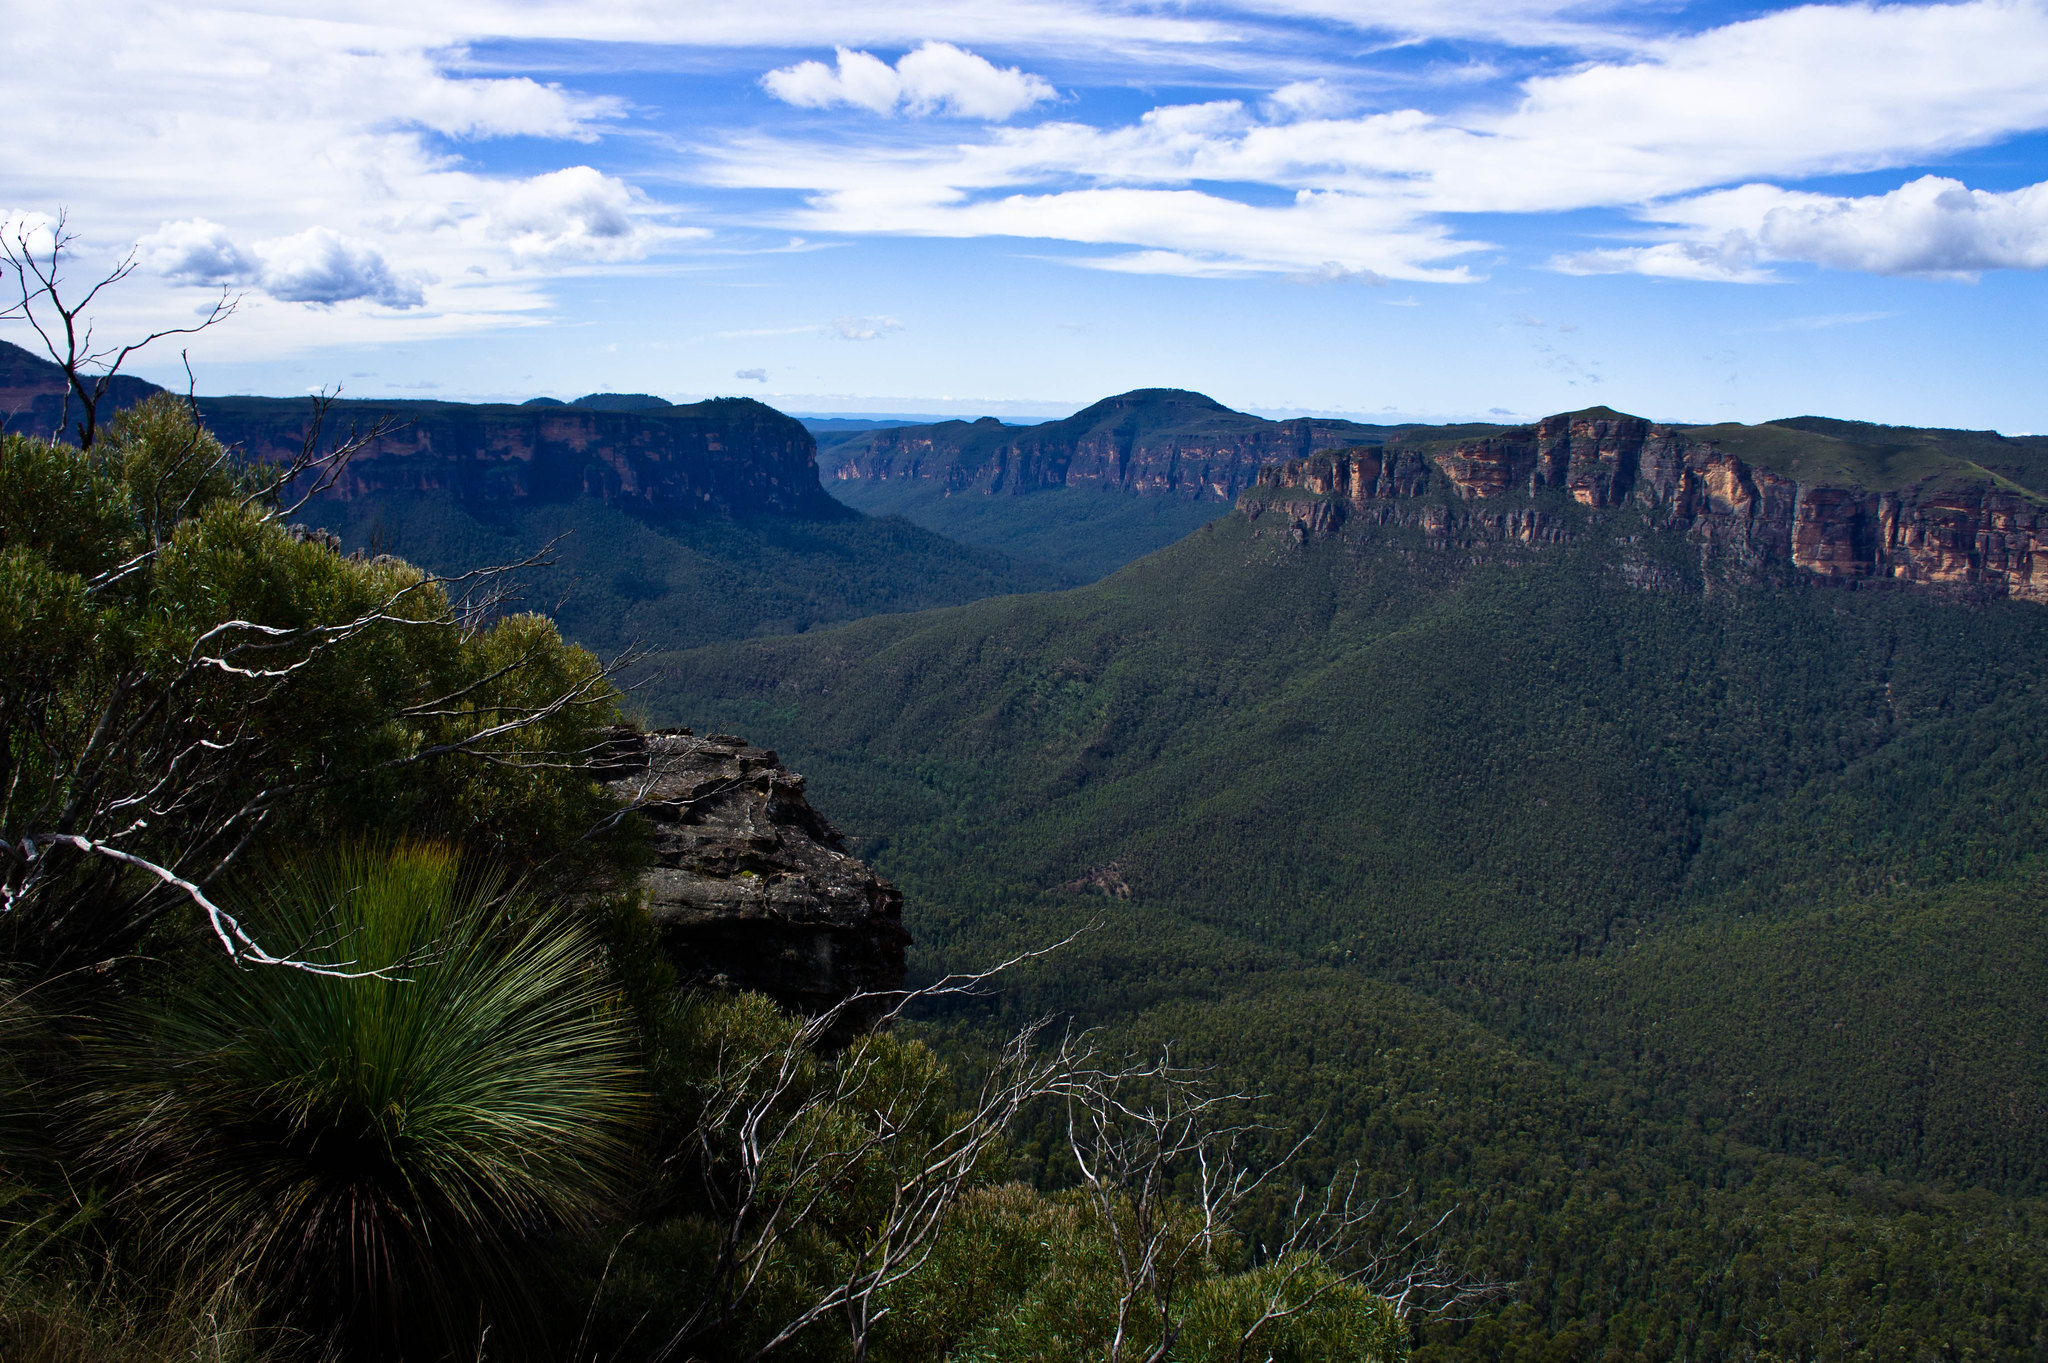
(725, 456)
(1840, 501)
(1154, 441)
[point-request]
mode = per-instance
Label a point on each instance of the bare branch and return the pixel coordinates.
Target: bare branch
(240, 945)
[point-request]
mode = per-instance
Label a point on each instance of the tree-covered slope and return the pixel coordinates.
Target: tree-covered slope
(1723, 907)
(674, 582)
(1087, 532)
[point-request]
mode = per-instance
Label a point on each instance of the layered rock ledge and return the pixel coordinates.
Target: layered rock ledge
(751, 888)
(1961, 526)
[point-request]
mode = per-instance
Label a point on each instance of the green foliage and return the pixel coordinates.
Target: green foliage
(182, 671)
(382, 1152)
(1086, 532)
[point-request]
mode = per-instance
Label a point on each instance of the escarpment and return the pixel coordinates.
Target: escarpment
(730, 456)
(1901, 505)
(726, 456)
(1153, 442)
(751, 888)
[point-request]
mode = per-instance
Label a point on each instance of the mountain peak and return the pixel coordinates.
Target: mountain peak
(621, 402)
(1175, 400)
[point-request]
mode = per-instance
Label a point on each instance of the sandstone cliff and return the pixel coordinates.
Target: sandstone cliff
(730, 456)
(751, 887)
(1154, 441)
(727, 456)
(1834, 500)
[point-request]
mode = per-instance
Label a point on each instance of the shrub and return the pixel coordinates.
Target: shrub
(380, 1152)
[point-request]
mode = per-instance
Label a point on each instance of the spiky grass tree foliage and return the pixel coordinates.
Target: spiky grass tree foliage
(379, 1157)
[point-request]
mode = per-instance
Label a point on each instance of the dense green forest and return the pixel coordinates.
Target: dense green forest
(1085, 531)
(676, 582)
(1688, 942)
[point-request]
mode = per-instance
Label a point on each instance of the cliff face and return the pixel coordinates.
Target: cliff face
(1956, 524)
(1154, 441)
(751, 887)
(728, 456)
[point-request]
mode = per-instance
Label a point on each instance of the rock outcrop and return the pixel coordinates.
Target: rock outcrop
(727, 456)
(751, 888)
(1956, 523)
(1154, 441)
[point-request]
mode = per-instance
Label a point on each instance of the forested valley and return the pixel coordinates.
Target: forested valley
(1684, 944)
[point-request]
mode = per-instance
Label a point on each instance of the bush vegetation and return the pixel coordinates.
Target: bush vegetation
(331, 1026)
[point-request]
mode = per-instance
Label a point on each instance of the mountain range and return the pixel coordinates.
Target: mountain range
(667, 525)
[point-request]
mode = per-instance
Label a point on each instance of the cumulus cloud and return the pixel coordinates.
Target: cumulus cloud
(196, 251)
(933, 78)
(318, 265)
(865, 328)
(757, 375)
(321, 265)
(577, 214)
(1933, 226)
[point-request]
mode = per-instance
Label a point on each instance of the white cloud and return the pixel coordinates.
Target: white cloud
(196, 251)
(321, 265)
(1730, 258)
(1819, 89)
(1932, 226)
(934, 78)
(1307, 99)
(318, 265)
(576, 214)
(218, 124)
(865, 328)
(757, 375)
(325, 140)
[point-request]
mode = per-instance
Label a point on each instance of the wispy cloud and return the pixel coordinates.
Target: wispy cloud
(390, 172)
(1823, 321)
(1788, 94)
(865, 328)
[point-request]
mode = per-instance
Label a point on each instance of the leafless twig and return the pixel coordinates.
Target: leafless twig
(64, 326)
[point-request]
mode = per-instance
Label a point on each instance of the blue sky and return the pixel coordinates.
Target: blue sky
(1378, 207)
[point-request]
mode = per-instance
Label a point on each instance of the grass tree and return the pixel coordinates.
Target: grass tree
(381, 1151)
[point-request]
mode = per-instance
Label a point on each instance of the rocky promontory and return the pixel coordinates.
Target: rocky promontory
(1840, 501)
(751, 888)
